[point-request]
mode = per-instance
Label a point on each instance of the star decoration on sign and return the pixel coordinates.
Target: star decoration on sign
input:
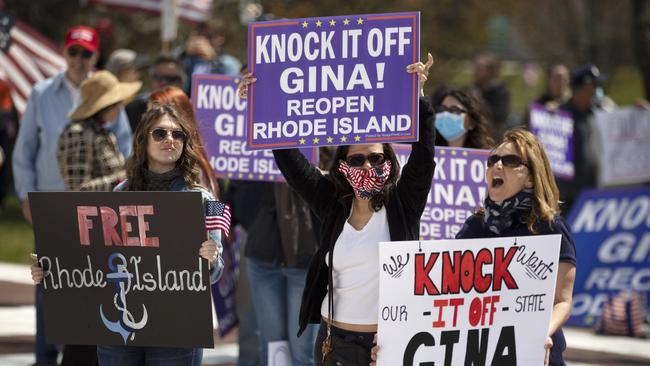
(260, 177)
(250, 175)
(357, 138)
(304, 24)
(332, 22)
(453, 152)
(240, 175)
(330, 140)
(319, 23)
(344, 139)
(346, 21)
(359, 21)
(316, 140)
(271, 177)
(229, 175)
(302, 141)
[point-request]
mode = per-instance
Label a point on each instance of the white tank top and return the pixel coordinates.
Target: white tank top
(356, 271)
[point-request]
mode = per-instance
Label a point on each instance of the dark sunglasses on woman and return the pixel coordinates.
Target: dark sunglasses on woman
(357, 160)
(511, 161)
(74, 51)
(160, 134)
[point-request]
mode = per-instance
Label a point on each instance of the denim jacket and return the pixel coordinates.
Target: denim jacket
(178, 185)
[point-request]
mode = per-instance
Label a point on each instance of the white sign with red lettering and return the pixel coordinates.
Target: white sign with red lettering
(469, 301)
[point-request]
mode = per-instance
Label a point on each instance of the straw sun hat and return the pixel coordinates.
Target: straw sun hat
(100, 91)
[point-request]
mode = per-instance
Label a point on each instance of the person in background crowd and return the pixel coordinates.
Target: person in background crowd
(557, 87)
(88, 157)
(359, 204)
(175, 96)
(203, 53)
(584, 83)
(125, 65)
(523, 200)
(8, 130)
(166, 70)
(460, 121)
(488, 88)
(34, 157)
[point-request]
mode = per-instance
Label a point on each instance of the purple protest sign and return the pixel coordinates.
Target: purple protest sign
(333, 80)
(457, 190)
(224, 291)
(554, 130)
(220, 114)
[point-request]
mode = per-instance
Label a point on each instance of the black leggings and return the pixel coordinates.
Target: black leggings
(363, 339)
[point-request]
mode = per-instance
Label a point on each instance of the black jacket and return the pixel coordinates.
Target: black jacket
(404, 206)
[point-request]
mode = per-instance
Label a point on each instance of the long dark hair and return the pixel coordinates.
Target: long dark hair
(174, 95)
(478, 137)
(187, 162)
(343, 189)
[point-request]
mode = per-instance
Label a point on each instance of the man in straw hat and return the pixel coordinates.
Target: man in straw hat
(46, 114)
(88, 156)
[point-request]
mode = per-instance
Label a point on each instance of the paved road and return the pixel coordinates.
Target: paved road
(17, 333)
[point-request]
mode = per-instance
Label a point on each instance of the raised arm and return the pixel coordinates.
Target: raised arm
(415, 182)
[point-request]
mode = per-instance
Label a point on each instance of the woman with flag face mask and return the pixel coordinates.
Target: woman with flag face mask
(460, 121)
(363, 201)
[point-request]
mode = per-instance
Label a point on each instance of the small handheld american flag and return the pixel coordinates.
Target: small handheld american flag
(217, 216)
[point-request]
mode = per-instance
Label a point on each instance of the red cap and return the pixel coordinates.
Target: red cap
(83, 36)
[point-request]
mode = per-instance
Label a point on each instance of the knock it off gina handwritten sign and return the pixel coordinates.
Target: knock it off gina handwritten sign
(470, 301)
(333, 81)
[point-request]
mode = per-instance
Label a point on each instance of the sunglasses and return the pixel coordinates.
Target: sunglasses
(160, 134)
(452, 109)
(358, 160)
(75, 51)
(511, 161)
(169, 79)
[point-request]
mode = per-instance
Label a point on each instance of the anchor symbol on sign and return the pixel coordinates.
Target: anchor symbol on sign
(126, 325)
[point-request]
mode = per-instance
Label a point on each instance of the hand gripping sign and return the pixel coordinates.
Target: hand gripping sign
(333, 80)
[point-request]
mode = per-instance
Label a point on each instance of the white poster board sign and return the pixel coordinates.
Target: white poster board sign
(470, 301)
(624, 134)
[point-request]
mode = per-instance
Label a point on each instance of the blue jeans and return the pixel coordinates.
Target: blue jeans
(147, 356)
(45, 353)
(276, 293)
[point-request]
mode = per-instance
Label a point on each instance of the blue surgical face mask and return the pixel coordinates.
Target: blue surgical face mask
(451, 126)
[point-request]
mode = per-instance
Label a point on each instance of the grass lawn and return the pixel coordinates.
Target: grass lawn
(16, 236)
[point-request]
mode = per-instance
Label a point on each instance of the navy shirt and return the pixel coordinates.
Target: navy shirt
(474, 228)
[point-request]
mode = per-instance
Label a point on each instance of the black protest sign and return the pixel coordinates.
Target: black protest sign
(122, 268)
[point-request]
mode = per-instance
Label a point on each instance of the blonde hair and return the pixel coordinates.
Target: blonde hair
(547, 196)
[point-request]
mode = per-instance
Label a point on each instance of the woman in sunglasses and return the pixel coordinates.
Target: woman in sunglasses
(362, 202)
(523, 200)
(460, 121)
(175, 96)
(165, 159)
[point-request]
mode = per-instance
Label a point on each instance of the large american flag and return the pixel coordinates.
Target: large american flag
(190, 10)
(26, 58)
(217, 216)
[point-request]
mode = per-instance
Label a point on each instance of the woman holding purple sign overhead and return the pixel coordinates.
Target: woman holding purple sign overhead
(363, 201)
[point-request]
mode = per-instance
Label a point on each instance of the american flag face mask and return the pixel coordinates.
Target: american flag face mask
(366, 183)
